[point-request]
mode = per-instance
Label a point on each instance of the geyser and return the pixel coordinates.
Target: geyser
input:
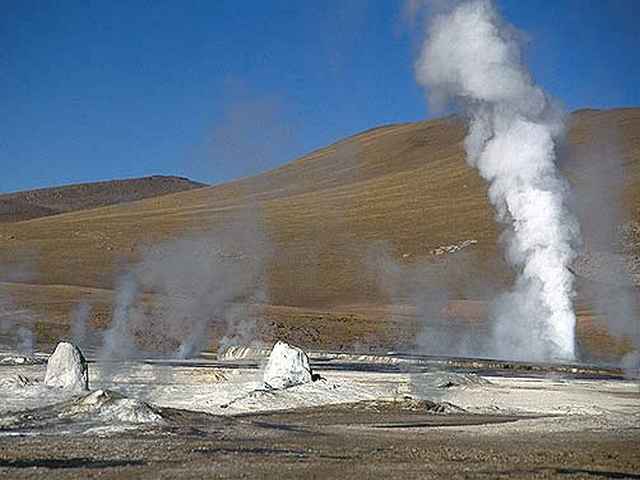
(472, 57)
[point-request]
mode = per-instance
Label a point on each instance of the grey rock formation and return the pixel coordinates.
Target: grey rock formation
(287, 366)
(67, 368)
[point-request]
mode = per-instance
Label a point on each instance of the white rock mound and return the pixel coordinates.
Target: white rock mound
(110, 407)
(287, 366)
(67, 368)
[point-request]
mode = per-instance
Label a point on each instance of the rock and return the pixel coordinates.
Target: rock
(109, 407)
(287, 366)
(99, 411)
(67, 368)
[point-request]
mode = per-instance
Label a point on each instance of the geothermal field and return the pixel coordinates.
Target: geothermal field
(288, 413)
(457, 297)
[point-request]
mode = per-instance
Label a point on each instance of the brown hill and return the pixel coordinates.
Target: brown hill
(356, 242)
(15, 207)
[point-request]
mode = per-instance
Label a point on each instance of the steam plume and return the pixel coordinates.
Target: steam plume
(471, 56)
(183, 291)
(15, 322)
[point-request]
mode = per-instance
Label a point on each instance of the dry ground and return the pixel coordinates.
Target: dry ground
(330, 442)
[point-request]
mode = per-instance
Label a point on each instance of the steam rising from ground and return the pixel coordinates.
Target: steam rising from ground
(611, 236)
(172, 301)
(472, 57)
(17, 325)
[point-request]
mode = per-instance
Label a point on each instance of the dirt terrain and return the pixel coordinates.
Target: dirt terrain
(328, 442)
(349, 237)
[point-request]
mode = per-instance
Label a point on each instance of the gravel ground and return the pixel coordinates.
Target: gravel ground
(365, 440)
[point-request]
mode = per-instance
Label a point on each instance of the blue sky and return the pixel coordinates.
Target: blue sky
(214, 90)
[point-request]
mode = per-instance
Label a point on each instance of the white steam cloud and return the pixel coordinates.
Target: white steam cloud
(184, 293)
(472, 57)
(17, 324)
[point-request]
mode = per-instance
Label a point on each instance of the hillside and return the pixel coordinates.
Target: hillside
(15, 207)
(355, 243)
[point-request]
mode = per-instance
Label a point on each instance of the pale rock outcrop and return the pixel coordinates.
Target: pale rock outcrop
(67, 368)
(287, 366)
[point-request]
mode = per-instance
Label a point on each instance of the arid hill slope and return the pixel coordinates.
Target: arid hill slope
(15, 207)
(349, 229)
